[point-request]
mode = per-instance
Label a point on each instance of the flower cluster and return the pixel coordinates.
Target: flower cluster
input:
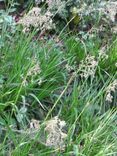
(111, 10)
(36, 19)
(31, 73)
(56, 136)
(111, 88)
(34, 70)
(102, 53)
(88, 66)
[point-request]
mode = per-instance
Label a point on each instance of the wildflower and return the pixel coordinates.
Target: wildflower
(111, 10)
(102, 53)
(88, 66)
(24, 81)
(111, 88)
(56, 140)
(55, 136)
(34, 70)
(54, 124)
(36, 19)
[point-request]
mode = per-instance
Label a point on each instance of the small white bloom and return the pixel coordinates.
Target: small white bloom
(36, 19)
(111, 88)
(88, 66)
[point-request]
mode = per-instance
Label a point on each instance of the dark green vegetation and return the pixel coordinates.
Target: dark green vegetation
(71, 77)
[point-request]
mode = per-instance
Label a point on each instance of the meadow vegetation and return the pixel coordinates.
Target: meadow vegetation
(58, 78)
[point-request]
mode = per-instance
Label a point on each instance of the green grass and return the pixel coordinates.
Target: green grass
(53, 90)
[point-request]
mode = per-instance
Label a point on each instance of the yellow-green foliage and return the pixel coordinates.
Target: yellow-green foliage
(74, 15)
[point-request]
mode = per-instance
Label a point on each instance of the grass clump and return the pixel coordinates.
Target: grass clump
(65, 80)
